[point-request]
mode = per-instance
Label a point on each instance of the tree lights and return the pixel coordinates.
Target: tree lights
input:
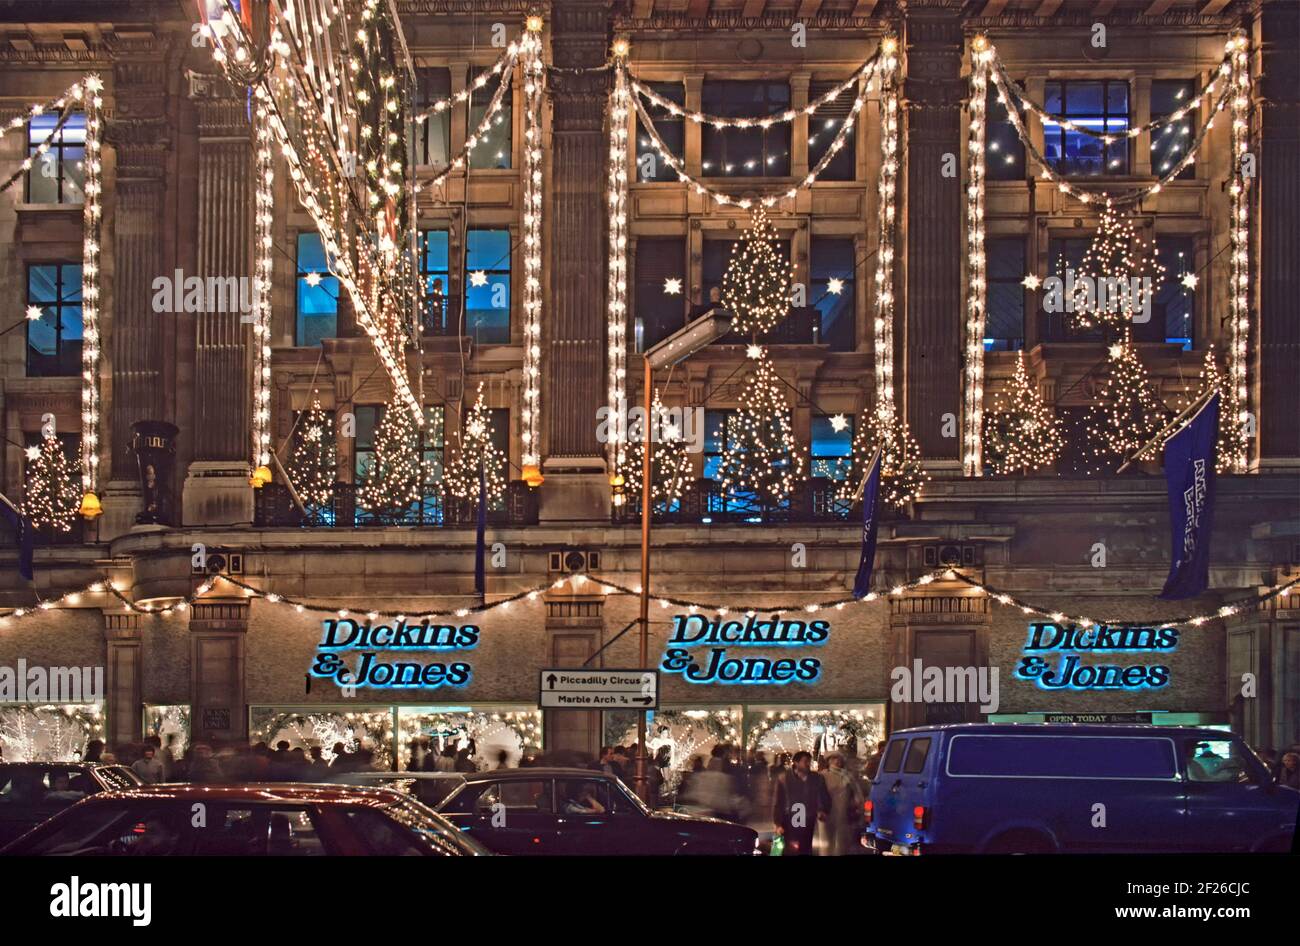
(1127, 413)
(50, 494)
(1021, 432)
(756, 283)
(478, 451)
(1118, 276)
(761, 460)
(313, 465)
(670, 464)
(902, 476)
(391, 481)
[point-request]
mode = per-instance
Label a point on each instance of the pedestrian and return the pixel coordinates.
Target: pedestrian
(465, 757)
(873, 763)
(446, 761)
(170, 756)
(844, 817)
(94, 751)
(149, 767)
(799, 802)
(1288, 773)
(503, 758)
(203, 767)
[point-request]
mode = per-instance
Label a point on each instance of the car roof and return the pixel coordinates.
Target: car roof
(265, 792)
(62, 765)
(1068, 729)
(533, 772)
(378, 774)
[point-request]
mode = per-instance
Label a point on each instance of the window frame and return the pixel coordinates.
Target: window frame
(725, 136)
(327, 279)
(497, 270)
(1053, 130)
(77, 119)
(59, 304)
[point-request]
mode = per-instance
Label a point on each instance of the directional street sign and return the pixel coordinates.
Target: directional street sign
(577, 688)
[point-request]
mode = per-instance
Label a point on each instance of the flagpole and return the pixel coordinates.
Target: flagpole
(1174, 425)
(857, 494)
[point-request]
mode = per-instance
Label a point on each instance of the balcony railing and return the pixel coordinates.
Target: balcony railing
(705, 501)
(274, 508)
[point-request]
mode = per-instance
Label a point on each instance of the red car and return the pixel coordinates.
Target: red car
(251, 820)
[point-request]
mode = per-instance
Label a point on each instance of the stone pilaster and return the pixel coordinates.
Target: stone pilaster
(930, 336)
(1276, 40)
(218, 711)
(574, 631)
(123, 684)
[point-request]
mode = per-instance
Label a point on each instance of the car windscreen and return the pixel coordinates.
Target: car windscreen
(1092, 757)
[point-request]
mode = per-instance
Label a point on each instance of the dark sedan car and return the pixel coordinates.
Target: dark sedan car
(31, 792)
(258, 819)
(578, 811)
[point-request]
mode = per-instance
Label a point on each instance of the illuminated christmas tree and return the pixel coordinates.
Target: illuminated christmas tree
(1230, 432)
(1118, 277)
(1126, 414)
(1021, 433)
(760, 462)
(477, 448)
(52, 494)
(756, 284)
(901, 474)
(670, 464)
(390, 482)
(313, 464)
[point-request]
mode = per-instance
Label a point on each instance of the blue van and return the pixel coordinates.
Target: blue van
(1032, 788)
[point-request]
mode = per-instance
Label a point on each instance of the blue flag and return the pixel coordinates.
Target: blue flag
(23, 534)
(480, 540)
(1189, 475)
(870, 498)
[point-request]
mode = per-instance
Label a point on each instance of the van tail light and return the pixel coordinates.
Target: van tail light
(919, 817)
(867, 810)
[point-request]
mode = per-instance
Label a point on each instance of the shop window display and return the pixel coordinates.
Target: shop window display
(170, 724)
(852, 731)
(365, 732)
(49, 732)
(487, 738)
(678, 739)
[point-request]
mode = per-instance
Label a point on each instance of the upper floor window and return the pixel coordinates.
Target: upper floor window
(1101, 106)
(834, 290)
(487, 286)
(1004, 152)
(1064, 256)
(369, 418)
(1174, 309)
(318, 294)
(718, 435)
(822, 129)
(660, 266)
(671, 128)
(746, 152)
(57, 177)
(431, 139)
(831, 450)
(493, 149)
(54, 328)
(434, 258)
(1004, 328)
(1170, 143)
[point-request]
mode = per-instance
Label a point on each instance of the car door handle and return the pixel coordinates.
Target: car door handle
(893, 789)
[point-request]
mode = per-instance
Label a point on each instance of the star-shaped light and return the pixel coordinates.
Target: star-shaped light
(839, 422)
(754, 351)
(33, 453)
(33, 313)
(672, 286)
(835, 286)
(1031, 281)
(476, 428)
(1190, 280)
(478, 278)
(313, 279)
(1116, 350)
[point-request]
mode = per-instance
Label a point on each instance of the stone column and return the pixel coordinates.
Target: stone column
(216, 486)
(123, 684)
(139, 137)
(932, 238)
(217, 708)
(1276, 40)
(574, 628)
(573, 315)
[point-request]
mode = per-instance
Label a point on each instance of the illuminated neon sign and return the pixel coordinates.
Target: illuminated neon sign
(369, 641)
(717, 666)
(1071, 641)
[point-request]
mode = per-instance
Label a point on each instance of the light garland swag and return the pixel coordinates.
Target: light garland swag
(495, 104)
(1241, 606)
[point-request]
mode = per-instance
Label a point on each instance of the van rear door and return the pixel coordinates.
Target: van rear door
(900, 788)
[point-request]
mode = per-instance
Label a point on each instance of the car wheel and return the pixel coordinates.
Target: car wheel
(1020, 842)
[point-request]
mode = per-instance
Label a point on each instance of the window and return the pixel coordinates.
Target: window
(431, 139)
(432, 458)
(499, 417)
(434, 273)
(1169, 143)
(894, 755)
(659, 260)
(831, 449)
(671, 128)
(1004, 329)
(519, 795)
(57, 176)
(1099, 106)
(368, 417)
(824, 126)
(917, 753)
(318, 294)
(1063, 257)
(381, 835)
(715, 259)
(1217, 761)
(1004, 152)
(54, 339)
(717, 435)
(493, 149)
(834, 290)
(487, 286)
(746, 152)
(1173, 311)
(591, 797)
(291, 833)
(1086, 757)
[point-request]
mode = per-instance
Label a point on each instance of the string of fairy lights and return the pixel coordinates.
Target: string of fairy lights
(534, 81)
(883, 323)
(1239, 230)
(263, 248)
(982, 57)
(616, 303)
(577, 582)
(92, 333)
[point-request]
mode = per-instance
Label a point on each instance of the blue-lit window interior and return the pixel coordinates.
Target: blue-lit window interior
(824, 125)
(1004, 152)
(493, 148)
(1174, 306)
(834, 266)
(1171, 142)
(746, 152)
(720, 432)
(671, 128)
(831, 450)
(1100, 106)
(434, 274)
(487, 286)
(318, 294)
(58, 176)
(54, 340)
(1004, 329)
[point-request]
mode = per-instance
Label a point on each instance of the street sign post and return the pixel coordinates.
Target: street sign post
(578, 688)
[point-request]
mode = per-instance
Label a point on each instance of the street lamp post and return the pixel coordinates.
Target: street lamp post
(675, 348)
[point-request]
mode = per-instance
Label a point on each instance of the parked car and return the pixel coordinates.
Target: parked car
(429, 787)
(31, 792)
(255, 819)
(579, 811)
(1035, 788)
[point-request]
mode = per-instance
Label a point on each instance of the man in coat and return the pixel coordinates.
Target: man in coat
(799, 801)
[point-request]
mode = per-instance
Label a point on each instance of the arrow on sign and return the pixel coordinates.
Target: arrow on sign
(550, 681)
(647, 700)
